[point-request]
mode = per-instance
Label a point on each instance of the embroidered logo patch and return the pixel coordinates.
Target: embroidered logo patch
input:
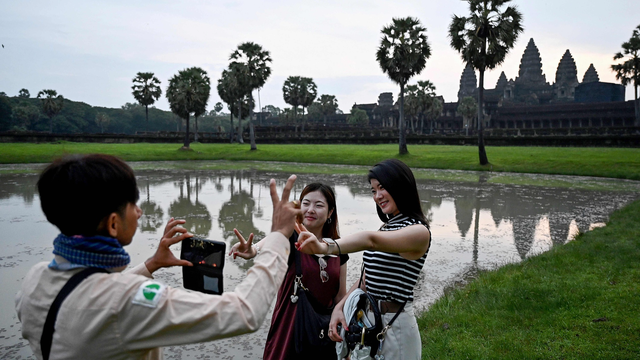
(149, 293)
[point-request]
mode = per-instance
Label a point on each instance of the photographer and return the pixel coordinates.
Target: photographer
(128, 315)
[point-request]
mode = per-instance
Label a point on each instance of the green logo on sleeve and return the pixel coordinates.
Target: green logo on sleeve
(149, 293)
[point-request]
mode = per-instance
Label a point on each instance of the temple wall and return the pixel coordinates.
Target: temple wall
(608, 137)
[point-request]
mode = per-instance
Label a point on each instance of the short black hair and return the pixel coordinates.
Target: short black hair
(77, 192)
(396, 177)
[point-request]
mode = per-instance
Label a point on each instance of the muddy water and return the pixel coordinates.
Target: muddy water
(477, 224)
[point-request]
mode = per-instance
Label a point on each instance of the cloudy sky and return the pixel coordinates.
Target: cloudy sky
(89, 51)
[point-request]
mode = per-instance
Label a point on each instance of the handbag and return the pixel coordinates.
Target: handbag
(311, 324)
(363, 336)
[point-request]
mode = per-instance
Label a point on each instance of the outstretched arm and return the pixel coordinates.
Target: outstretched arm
(411, 242)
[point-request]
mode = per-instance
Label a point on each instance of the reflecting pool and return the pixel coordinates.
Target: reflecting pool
(480, 221)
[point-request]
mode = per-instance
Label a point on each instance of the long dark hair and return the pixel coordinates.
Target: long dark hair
(396, 177)
(330, 227)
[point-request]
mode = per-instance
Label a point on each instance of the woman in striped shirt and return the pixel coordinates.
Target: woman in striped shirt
(393, 257)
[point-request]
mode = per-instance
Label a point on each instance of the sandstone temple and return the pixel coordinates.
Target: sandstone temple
(529, 101)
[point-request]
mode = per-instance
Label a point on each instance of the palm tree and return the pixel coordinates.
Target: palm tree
(292, 92)
(232, 88)
(102, 120)
(146, 90)
(256, 61)
(308, 94)
(483, 39)
(412, 105)
(629, 71)
(403, 53)
(188, 92)
(468, 108)
(328, 106)
(51, 104)
(24, 93)
(434, 110)
(426, 94)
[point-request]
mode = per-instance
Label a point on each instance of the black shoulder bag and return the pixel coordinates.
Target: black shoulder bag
(311, 323)
(360, 334)
(49, 325)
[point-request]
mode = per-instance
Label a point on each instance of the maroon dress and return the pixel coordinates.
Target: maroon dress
(280, 341)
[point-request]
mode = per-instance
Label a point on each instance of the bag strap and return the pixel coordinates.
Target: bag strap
(47, 333)
(361, 275)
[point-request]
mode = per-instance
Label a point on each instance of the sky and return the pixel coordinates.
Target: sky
(90, 51)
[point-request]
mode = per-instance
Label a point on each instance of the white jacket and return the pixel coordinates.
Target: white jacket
(108, 316)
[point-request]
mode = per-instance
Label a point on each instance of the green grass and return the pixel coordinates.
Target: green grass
(623, 163)
(577, 301)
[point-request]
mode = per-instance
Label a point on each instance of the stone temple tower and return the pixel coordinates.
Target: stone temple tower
(468, 83)
(530, 72)
(591, 75)
(566, 78)
(530, 86)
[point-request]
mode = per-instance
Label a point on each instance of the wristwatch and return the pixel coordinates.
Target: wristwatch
(330, 242)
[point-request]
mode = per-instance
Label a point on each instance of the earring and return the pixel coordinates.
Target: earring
(329, 221)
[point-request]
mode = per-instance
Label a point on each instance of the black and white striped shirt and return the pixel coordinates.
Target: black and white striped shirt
(389, 276)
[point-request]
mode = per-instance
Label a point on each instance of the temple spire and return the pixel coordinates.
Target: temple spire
(468, 83)
(566, 78)
(531, 66)
(591, 75)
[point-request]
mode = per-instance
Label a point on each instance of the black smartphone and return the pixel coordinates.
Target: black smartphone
(207, 257)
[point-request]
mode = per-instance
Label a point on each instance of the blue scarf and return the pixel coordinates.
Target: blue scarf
(95, 251)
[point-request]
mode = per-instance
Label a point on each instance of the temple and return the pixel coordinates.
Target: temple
(528, 101)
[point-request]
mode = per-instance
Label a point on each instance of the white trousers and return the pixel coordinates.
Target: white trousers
(402, 341)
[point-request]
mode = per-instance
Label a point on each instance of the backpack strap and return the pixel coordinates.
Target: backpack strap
(52, 315)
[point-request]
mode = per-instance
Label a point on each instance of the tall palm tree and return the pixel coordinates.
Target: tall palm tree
(483, 39)
(146, 90)
(468, 108)
(412, 105)
(256, 61)
(292, 92)
(403, 53)
(188, 93)
(232, 88)
(628, 72)
(426, 94)
(308, 93)
(51, 104)
(328, 106)
(434, 111)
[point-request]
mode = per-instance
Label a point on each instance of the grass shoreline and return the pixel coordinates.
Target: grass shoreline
(622, 163)
(576, 301)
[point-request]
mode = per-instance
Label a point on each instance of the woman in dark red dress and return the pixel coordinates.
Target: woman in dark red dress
(324, 276)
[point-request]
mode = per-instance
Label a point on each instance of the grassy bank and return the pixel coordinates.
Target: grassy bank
(577, 301)
(621, 163)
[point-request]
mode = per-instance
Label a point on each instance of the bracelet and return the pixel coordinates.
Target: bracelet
(257, 248)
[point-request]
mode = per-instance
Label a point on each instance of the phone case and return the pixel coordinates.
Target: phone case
(207, 257)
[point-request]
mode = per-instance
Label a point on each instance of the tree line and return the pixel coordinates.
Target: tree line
(483, 38)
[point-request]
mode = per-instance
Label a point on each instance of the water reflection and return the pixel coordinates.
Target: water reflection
(195, 213)
(475, 225)
(151, 219)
